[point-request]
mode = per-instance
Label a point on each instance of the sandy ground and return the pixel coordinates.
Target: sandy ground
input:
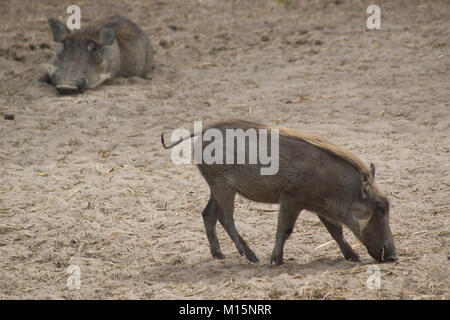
(85, 181)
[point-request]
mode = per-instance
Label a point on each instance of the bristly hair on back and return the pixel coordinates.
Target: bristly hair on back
(327, 146)
(124, 32)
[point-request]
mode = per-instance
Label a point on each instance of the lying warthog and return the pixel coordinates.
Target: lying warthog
(314, 175)
(104, 49)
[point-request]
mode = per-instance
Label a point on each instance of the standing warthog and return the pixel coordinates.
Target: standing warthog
(314, 175)
(104, 49)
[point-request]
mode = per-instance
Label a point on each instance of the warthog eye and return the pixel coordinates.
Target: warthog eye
(92, 47)
(381, 207)
(62, 48)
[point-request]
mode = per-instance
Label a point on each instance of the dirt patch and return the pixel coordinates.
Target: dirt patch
(85, 181)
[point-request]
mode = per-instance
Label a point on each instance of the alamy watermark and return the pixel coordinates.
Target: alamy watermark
(373, 282)
(234, 146)
(374, 20)
(74, 19)
(74, 280)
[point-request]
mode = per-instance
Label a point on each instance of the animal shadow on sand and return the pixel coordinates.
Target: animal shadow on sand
(213, 271)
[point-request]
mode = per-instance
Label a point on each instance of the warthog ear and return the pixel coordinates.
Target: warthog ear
(107, 35)
(372, 170)
(59, 29)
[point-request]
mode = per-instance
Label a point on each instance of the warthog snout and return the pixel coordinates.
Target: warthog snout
(71, 88)
(386, 253)
(66, 89)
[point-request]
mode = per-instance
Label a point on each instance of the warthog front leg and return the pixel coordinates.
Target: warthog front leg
(338, 236)
(289, 212)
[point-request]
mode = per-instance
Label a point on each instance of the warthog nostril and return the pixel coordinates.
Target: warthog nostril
(67, 89)
(392, 258)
